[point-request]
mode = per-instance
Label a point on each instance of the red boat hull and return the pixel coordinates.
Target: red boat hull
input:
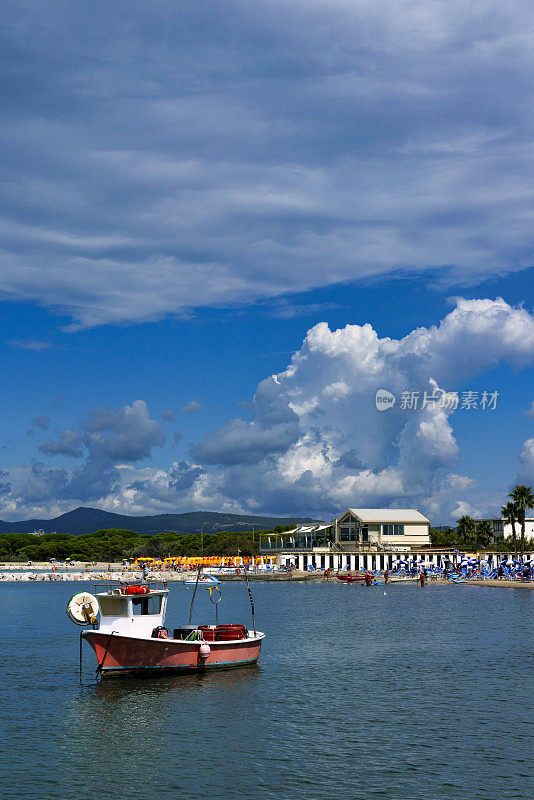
(124, 655)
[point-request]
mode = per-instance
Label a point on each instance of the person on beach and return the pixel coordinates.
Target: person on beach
(368, 578)
(422, 577)
(326, 574)
(145, 572)
(386, 576)
(500, 571)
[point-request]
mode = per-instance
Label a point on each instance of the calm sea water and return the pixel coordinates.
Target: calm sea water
(416, 693)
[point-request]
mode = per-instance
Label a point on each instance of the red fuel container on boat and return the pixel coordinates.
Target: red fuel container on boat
(227, 632)
(207, 632)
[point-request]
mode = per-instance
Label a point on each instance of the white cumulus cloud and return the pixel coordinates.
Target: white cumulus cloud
(315, 441)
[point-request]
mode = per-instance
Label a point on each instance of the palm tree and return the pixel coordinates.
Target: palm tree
(523, 498)
(484, 533)
(510, 512)
(466, 528)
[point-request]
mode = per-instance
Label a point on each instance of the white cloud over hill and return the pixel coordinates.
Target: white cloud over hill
(315, 441)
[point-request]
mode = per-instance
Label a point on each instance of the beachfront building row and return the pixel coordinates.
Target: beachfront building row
(357, 530)
(379, 560)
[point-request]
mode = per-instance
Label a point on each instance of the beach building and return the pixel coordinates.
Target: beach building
(385, 528)
(358, 529)
(501, 528)
(303, 537)
(359, 538)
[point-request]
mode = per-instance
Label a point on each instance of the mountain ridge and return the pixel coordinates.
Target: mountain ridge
(84, 519)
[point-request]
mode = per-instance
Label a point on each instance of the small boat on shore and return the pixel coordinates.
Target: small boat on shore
(350, 577)
(204, 580)
(129, 636)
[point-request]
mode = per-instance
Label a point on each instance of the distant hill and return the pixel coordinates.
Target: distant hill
(87, 520)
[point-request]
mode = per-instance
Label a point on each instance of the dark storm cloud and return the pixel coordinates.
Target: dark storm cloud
(168, 155)
(126, 434)
(183, 475)
(350, 460)
(42, 485)
(68, 444)
(273, 429)
(106, 438)
(240, 442)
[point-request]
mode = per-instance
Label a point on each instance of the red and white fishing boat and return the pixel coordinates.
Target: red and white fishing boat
(350, 577)
(129, 636)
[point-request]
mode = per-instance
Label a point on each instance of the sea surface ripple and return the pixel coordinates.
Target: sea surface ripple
(412, 693)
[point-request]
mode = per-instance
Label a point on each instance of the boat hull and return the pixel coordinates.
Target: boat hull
(128, 655)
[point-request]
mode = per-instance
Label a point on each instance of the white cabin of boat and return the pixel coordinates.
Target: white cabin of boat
(131, 614)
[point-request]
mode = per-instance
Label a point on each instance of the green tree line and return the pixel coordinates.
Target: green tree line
(473, 535)
(113, 544)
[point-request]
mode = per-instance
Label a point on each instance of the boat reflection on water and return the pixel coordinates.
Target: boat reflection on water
(113, 714)
(106, 694)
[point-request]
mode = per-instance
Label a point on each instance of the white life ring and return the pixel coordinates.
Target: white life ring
(82, 608)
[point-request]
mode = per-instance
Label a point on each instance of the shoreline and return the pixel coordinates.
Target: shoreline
(12, 573)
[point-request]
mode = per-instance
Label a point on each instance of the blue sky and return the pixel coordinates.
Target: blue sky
(191, 190)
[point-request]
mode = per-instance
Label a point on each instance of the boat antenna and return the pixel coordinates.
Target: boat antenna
(247, 584)
(194, 593)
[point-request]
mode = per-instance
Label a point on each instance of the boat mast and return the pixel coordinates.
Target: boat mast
(194, 593)
(245, 581)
